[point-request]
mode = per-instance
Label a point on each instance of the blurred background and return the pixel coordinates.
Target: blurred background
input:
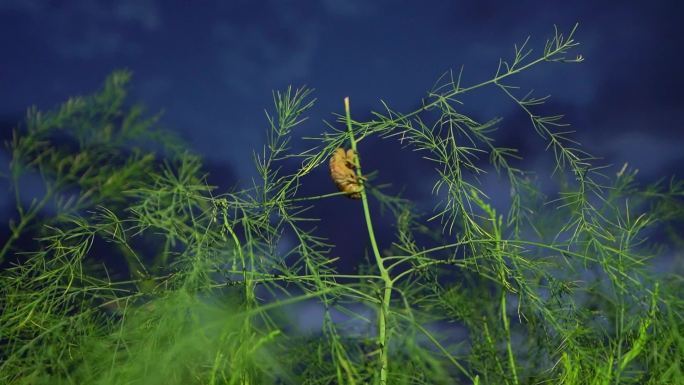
(211, 66)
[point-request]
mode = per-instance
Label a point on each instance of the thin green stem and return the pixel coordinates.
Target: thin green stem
(26, 218)
(496, 226)
(384, 309)
(495, 80)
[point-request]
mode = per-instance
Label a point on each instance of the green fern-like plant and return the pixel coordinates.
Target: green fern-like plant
(130, 269)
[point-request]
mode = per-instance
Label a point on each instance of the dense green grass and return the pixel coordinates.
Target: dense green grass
(138, 274)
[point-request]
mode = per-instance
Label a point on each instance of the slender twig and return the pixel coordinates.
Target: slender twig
(383, 335)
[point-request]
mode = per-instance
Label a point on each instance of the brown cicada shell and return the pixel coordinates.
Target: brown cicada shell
(343, 172)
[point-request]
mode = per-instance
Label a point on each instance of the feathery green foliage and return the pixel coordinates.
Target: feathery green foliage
(138, 273)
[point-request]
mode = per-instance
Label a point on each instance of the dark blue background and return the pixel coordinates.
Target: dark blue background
(211, 67)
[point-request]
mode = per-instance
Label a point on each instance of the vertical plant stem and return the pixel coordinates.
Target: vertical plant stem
(507, 331)
(496, 227)
(247, 276)
(248, 376)
(504, 315)
(384, 307)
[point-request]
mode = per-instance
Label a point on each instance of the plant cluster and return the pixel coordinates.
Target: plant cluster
(129, 269)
